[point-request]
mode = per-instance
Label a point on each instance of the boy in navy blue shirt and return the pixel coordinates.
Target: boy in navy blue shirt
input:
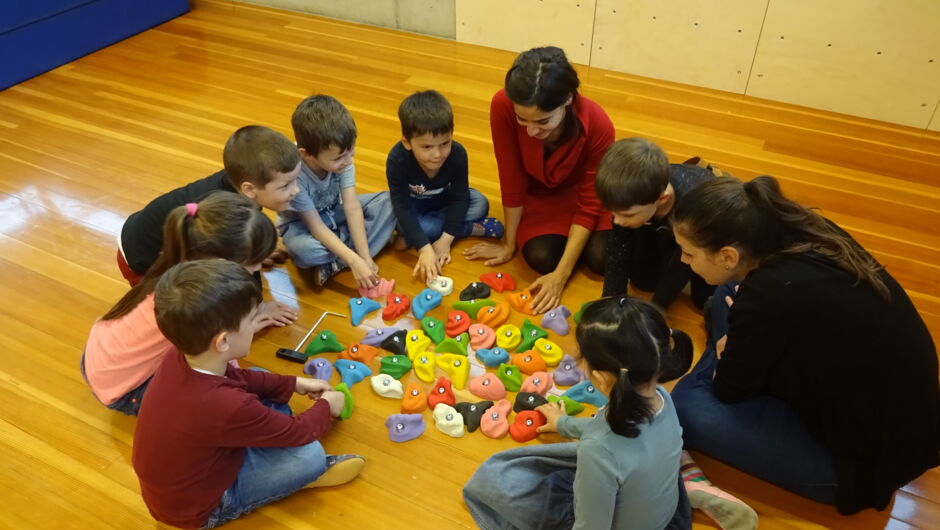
(429, 186)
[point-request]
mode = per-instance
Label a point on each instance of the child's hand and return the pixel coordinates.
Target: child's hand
(363, 272)
(551, 411)
(442, 251)
(494, 253)
(427, 266)
(336, 400)
(273, 314)
(312, 388)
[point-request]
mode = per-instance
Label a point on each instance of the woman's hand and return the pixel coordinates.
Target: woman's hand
(548, 289)
(493, 253)
(551, 411)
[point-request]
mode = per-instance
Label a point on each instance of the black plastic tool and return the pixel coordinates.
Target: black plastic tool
(296, 355)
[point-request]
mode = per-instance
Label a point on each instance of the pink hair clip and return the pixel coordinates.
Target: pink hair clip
(191, 209)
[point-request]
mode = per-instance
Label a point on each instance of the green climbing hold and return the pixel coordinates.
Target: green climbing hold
(530, 334)
(323, 342)
(395, 365)
(433, 328)
(456, 345)
(472, 307)
(348, 405)
(577, 316)
(511, 377)
(572, 407)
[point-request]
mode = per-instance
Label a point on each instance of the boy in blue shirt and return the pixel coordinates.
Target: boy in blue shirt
(429, 187)
(329, 226)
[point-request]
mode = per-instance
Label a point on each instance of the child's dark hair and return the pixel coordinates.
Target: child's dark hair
(630, 339)
(544, 78)
(762, 224)
(322, 121)
(196, 300)
(222, 225)
(426, 112)
(255, 153)
(633, 171)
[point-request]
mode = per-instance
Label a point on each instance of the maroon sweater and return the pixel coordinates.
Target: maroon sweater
(193, 429)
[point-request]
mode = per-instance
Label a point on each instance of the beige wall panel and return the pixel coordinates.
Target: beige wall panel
(430, 17)
(518, 25)
(872, 58)
(935, 122)
(707, 43)
(373, 12)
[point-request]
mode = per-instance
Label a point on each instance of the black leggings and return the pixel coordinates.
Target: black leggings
(542, 253)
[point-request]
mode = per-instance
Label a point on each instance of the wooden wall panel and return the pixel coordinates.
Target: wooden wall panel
(523, 24)
(708, 43)
(869, 58)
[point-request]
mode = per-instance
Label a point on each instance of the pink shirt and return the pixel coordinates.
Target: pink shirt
(123, 353)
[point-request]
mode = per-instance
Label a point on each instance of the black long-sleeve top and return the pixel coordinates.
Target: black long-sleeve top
(860, 371)
(621, 241)
(409, 185)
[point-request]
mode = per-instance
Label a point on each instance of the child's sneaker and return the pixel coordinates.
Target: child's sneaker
(325, 272)
(489, 227)
(340, 469)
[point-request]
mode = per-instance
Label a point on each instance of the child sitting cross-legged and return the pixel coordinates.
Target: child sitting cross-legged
(214, 442)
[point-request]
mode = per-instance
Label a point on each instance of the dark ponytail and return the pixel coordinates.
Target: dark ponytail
(543, 77)
(222, 225)
(757, 219)
(629, 338)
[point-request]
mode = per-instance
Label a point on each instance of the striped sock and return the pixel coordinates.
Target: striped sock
(690, 471)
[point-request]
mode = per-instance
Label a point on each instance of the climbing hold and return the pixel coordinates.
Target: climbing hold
(567, 373)
(359, 352)
(424, 366)
(434, 329)
(456, 345)
(448, 420)
(426, 300)
(360, 307)
(472, 413)
(528, 401)
(572, 407)
(510, 376)
(499, 281)
(457, 323)
(488, 386)
(351, 372)
(395, 343)
(442, 285)
(557, 320)
(395, 366)
(529, 362)
(481, 336)
(416, 399)
(525, 426)
(492, 357)
(539, 383)
(442, 392)
(495, 420)
(416, 342)
(457, 367)
(378, 290)
(473, 307)
(395, 306)
(530, 333)
(585, 392)
(318, 368)
(521, 301)
(577, 316)
(404, 427)
(549, 351)
(375, 337)
(387, 386)
(347, 403)
(325, 341)
(508, 337)
(475, 291)
(494, 316)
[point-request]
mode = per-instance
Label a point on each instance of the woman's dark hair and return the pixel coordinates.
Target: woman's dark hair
(543, 77)
(762, 224)
(223, 225)
(630, 339)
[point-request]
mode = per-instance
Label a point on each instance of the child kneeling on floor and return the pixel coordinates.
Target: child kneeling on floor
(214, 442)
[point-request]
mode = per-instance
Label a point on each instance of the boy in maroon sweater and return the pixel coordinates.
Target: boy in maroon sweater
(214, 442)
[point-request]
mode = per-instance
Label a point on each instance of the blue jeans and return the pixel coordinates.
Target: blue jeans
(307, 251)
(268, 474)
(128, 403)
(762, 436)
(432, 221)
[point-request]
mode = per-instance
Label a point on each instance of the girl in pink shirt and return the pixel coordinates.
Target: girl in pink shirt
(125, 345)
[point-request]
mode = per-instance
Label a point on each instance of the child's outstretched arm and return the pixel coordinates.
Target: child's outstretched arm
(361, 270)
(357, 226)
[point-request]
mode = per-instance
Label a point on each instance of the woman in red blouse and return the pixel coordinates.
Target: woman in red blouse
(548, 141)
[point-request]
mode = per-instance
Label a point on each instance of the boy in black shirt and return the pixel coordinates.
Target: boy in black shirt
(636, 182)
(429, 187)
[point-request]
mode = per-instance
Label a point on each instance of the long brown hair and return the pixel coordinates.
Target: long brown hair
(757, 219)
(225, 225)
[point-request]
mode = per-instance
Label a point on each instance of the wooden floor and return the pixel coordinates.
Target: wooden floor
(85, 145)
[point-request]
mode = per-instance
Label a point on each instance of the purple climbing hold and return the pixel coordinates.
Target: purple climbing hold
(404, 427)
